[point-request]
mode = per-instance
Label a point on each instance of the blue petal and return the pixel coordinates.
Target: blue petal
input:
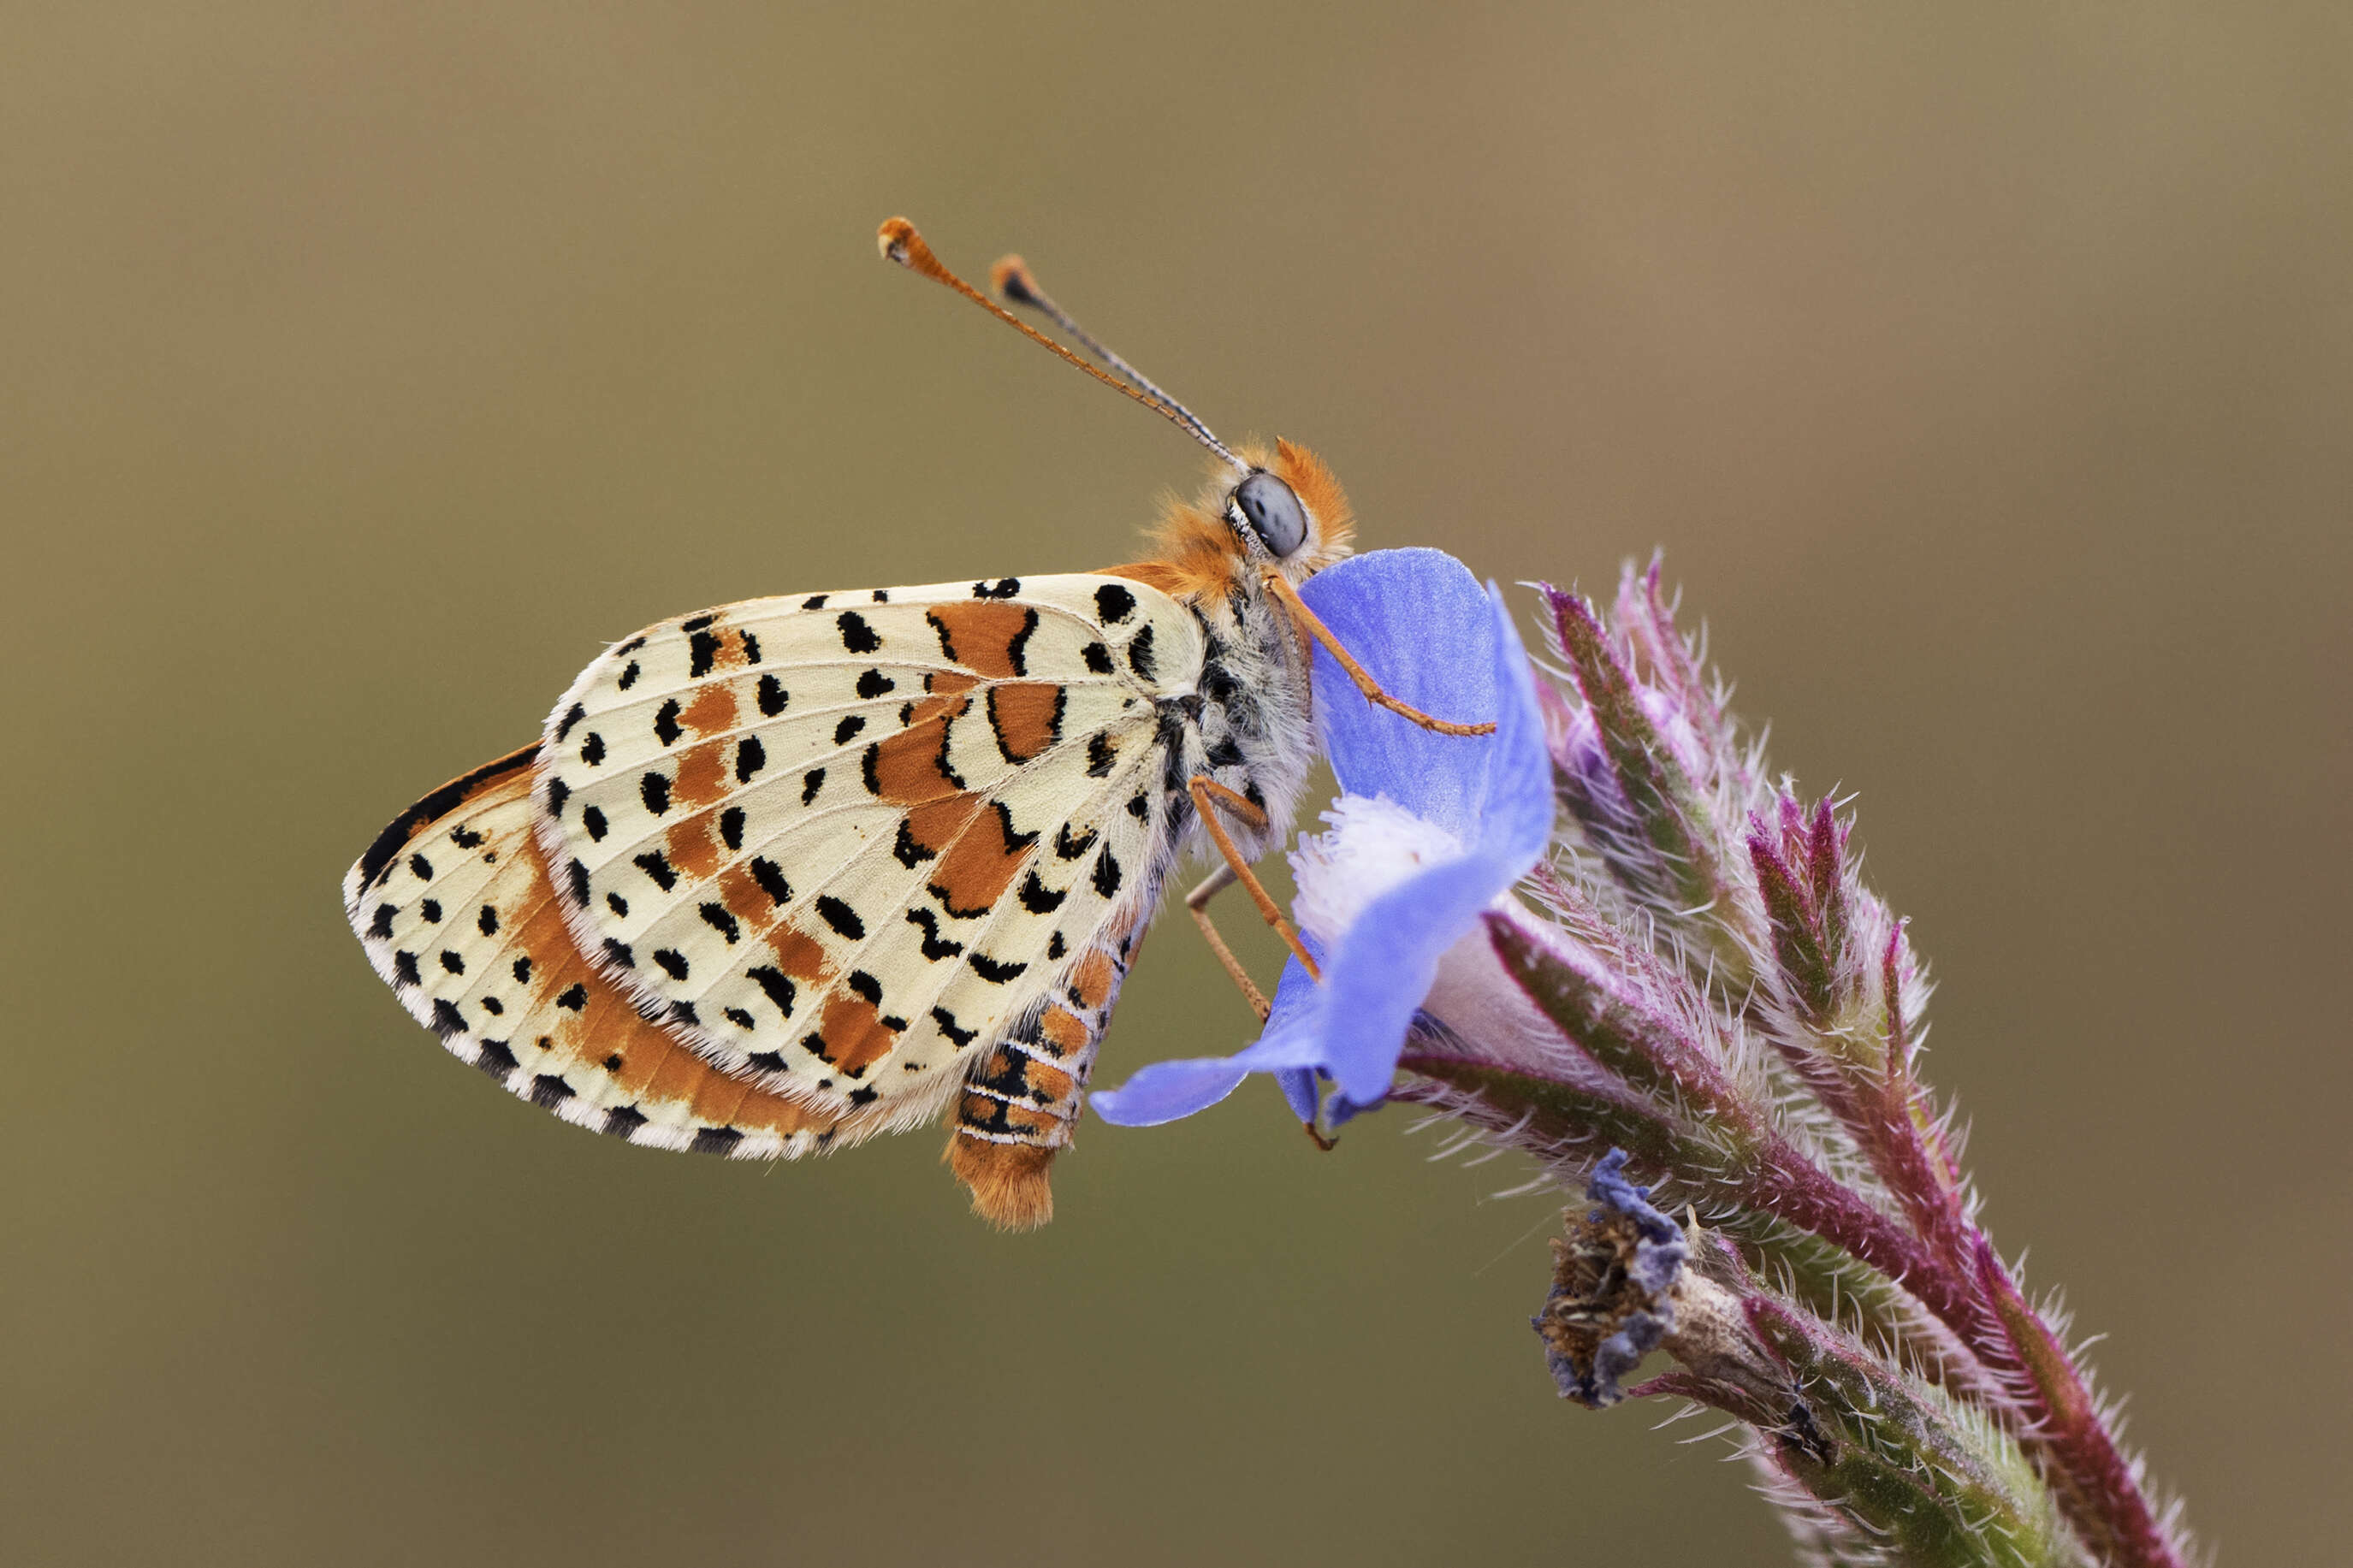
(1165, 1091)
(1418, 622)
(1421, 624)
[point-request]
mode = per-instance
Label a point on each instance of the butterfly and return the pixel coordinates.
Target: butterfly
(786, 873)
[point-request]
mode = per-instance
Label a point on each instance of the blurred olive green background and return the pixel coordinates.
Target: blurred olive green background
(1985, 373)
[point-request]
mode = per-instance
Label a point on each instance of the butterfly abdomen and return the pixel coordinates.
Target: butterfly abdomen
(1022, 1101)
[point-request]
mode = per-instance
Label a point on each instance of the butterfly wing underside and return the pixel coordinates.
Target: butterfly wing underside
(792, 871)
(844, 844)
(454, 909)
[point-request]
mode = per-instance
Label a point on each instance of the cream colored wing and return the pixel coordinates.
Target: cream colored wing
(840, 843)
(454, 908)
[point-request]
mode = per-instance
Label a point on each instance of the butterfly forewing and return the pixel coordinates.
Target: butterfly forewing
(455, 912)
(840, 842)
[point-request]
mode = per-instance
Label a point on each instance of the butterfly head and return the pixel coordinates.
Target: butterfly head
(1280, 509)
(1288, 511)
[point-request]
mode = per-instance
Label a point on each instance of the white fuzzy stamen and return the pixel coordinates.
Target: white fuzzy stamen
(1374, 845)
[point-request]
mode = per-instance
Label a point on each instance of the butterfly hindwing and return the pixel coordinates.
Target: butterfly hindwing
(455, 912)
(840, 843)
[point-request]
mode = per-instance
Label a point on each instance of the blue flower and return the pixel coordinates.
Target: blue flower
(1430, 831)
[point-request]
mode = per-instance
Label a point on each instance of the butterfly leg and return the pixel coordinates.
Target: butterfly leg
(1207, 791)
(1308, 622)
(1208, 795)
(1196, 903)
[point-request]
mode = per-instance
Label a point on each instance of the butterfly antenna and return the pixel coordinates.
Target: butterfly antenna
(1015, 281)
(900, 243)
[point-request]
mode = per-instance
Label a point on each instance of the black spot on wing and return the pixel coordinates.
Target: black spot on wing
(716, 916)
(628, 676)
(452, 963)
(422, 866)
(812, 781)
(856, 634)
(701, 653)
(865, 985)
(618, 954)
(656, 864)
(431, 909)
(548, 1090)
(495, 1058)
(404, 970)
(1098, 659)
(571, 715)
(929, 924)
(740, 1018)
(957, 1037)
(1107, 875)
(1003, 588)
(1016, 646)
(910, 850)
(992, 971)
(558, 792)
(654, 790)
(380, 927)
(577, 876)
(771, 878)
(575, 997)
(593, 819)
(814, 602)
(447, 1019)
(617, 904)
(1114, 603)
(592, 749)
(522, 971)
(1039, 898)
(750, 758)
(715, 1141)
(1140, 657)
(623, 1120)
(1101, 755)
(1070, 848)
(672, 963)
(772, 696)
(874, 683)
(778, 986)
(730, 828)
(487, 922)
(696, 623)
(666, 729)
(841, 917)
(845, 732)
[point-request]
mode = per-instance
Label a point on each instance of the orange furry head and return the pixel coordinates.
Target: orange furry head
(1197, 552)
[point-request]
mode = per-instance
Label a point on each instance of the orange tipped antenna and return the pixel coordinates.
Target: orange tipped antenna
(900, 243)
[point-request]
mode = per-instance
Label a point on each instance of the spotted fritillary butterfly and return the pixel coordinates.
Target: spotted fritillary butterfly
(784, 874)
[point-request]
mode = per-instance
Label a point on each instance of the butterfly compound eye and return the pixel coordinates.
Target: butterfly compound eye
(1270, 508)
